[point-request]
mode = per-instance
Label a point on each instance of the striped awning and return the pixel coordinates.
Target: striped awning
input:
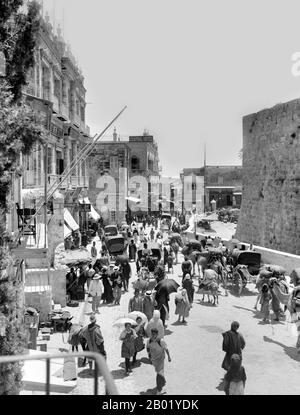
(84, 200)
(67, 231)
(70, 221)
(93, 213)
(133, 199)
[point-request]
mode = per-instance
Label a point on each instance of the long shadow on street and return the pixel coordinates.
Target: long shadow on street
(145, 360)
(85, 373)
(290, 351)
(245, 292)
(118, 374)
(206, 303)
(255, 312)
(149, 392)
(221, 385)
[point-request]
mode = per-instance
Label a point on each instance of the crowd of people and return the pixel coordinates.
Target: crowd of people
(106, 281)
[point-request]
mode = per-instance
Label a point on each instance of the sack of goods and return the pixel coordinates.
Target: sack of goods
(210, 274)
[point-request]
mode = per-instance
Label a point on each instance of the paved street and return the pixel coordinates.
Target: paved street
(270, 359)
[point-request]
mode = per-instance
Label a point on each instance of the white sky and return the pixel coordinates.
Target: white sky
(187, 69)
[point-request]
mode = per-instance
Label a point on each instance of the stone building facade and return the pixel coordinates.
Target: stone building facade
(192, 189)
(55, 90)
(203, 184)
(224, 185)
(270, 213)
(121, 160)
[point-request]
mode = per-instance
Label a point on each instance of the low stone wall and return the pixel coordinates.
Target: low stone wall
(269, 256)
(286, 260)
(57, 281)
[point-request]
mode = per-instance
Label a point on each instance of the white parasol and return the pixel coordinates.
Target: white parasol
(123, 320)
(135, 314)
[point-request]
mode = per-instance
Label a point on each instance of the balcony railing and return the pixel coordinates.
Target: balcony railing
(79, 181)
(101, 368)
(52, 178)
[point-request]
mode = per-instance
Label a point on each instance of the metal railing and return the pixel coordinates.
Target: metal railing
(101, 368)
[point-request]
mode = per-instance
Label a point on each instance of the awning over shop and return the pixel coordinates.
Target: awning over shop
(237, 190)
(70, 221)
(84, 200)
(133, 199)
(67, 231)
(93, 213)
(220, 187)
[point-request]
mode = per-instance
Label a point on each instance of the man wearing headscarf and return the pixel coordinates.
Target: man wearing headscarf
(186, 267)
(107, 284)
(157, 349)
(155, 323)
(126, 273)
(182, 305)
(94, 339)
(294, 308)
(132, 250)
(162, 299)
(116, 285)
(136, 302)
(148, 305)
(233, 343)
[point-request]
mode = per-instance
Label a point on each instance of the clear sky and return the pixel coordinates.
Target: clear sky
(187, 69)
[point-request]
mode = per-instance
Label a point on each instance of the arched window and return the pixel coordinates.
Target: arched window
(135, 163)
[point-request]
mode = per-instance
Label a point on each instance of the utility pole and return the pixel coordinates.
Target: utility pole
(67, 172)
(45, 191)
(204, 178)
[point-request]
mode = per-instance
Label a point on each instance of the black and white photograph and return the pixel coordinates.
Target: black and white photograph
(149, 200)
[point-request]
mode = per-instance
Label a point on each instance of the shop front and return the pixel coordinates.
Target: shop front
(222, 195)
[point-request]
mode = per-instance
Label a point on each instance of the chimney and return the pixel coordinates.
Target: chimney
(115, 134)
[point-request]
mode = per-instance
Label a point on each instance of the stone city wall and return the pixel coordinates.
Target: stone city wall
(270, 212)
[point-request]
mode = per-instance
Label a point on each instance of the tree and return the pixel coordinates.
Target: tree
(19, 130)
(17, 37)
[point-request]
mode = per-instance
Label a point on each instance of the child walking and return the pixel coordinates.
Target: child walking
(128, 337)
(265, 299)
(235, 378)
(157, 349)
(139, 340)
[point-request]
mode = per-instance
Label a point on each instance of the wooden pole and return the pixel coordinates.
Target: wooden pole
(83, 155)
